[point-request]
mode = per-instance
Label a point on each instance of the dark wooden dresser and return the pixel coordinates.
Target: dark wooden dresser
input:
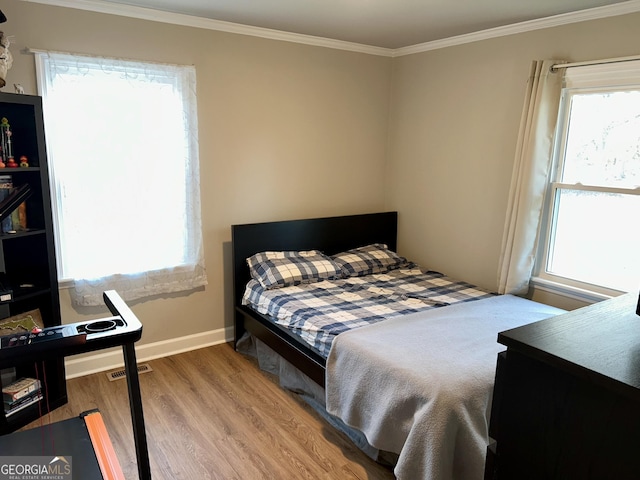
(566, 402)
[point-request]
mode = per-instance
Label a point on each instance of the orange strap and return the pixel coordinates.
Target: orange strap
(107, 459)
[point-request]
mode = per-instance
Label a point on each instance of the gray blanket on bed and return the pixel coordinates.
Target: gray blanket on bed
(421, 385)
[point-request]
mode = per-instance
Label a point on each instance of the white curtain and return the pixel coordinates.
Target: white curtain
(122, 140)
(530, 177)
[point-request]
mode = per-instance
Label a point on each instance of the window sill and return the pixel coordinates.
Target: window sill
(574, 293)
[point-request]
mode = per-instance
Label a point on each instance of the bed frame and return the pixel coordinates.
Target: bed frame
(330, 235)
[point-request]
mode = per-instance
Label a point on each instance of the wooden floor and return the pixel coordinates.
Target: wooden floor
(212, 414)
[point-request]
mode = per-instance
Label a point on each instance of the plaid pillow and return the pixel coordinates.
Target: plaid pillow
(284, 269)
(375, 258)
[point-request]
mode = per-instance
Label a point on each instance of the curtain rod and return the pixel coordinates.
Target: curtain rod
(594, 62)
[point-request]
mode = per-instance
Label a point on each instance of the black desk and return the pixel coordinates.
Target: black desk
(566, 401)
(125, 334)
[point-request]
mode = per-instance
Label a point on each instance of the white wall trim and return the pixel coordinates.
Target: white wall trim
(209, 24)
(112, 358)
(99, 6)
(596, 13)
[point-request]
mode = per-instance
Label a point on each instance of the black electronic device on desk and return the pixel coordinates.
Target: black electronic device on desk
(39, 340)
(122, 329)
(73, 338)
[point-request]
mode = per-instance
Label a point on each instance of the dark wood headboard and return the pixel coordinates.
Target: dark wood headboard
(330, 235)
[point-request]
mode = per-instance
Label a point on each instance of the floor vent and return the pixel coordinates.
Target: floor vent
(117, 374)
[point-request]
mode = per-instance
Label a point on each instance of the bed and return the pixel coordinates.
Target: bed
(330, 235)
(417, 384)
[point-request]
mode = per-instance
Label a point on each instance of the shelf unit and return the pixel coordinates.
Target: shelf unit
(27, 257)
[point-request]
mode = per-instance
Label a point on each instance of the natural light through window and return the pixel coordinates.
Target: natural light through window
(124, 166)
(132, 186)
(595, 231)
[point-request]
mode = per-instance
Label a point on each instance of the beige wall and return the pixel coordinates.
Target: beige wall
(286, 131)
(291, 131)
(453, 129)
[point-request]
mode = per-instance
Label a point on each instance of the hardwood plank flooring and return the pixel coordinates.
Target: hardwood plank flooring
(213, 414)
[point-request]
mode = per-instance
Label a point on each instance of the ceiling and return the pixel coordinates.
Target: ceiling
(389, 24)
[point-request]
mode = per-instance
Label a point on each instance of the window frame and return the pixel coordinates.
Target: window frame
(596, 80)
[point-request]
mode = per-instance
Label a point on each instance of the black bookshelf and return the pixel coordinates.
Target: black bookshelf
(27, 251)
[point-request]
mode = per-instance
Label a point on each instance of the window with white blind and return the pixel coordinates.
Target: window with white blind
(591, 239)
(122, 141)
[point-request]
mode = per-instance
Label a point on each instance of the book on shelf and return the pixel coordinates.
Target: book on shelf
(6, 186)
(20, 388)
(24, 402)
(13, 206)
(6, 292)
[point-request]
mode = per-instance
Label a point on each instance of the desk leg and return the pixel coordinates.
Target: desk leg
(137, 417)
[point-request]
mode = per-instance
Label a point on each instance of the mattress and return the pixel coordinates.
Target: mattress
(318, 312)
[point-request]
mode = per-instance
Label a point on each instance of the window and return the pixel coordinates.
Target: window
(123, 152)
(592, 236)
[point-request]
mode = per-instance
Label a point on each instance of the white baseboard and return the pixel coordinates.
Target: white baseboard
(112, 359)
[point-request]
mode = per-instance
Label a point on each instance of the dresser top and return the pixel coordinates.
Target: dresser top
(600, 343)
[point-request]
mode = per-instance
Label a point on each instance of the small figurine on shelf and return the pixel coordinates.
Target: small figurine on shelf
(5, 139)
(24, 161)
(11, 163)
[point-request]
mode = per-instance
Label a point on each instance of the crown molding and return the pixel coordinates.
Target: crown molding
(631, 6)
(209, 24)
(596, 13)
